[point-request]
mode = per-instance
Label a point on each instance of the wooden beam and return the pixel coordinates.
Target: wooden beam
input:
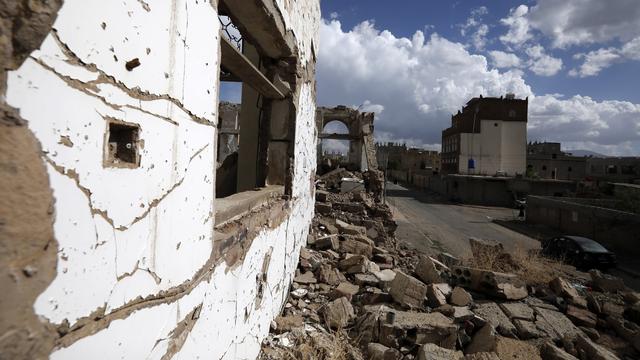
(238, 64)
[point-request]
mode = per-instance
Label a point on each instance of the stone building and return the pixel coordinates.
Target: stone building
(614, 169)
(113, 244)
(546, 160)
(488, 137)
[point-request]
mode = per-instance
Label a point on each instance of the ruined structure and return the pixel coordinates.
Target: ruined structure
(547, 161)
(362, 152)
(488, 137)
(112, 241)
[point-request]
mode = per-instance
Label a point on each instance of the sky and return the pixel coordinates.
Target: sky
(416, 62)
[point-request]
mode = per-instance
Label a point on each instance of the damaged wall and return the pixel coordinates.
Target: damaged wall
(139, 271)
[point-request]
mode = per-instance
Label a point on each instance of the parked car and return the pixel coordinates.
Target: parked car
(581, 252)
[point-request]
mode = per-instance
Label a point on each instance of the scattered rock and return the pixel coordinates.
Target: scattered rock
(435, 352)
(327, 242)
(496, 284)
(592, 350)
(460, 297)
(338, 313)
(288, 323)
(484, 340)
(305, 278)
(350, 229)
(492, 313)
(606, 283)
(581, 317)
(366, 279)
(437, 294)
(517, 311)
(352, 246)
(562, 288)
(345, 289)
(408, 290)
(330, 275)
(551, 352)
(430, 270)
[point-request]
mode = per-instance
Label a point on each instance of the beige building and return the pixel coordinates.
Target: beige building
(488, 137)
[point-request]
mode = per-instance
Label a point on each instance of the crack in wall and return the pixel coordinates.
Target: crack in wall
(98, 321)
(178, 336)
(73, 175)
(136, 92)
(137, 267)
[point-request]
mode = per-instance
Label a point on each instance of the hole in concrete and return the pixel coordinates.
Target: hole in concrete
(122, 144)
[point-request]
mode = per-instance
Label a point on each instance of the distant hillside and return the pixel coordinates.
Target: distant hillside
(586, 153)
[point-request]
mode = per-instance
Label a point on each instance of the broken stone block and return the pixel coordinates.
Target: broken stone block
(408, 290)
(352, 246)
(430, 270)
(350, 207)
(383, 258)
(327, 226)
(581, 317)
(345, 289)
(484, 340)
(485, 248)
(288, 323)
(329, 242)
(606, 283)
(350, 229)
(376, 351)
(624, 328)
(593, 350)
(562, 288)
(305, 278)
(418, 328)
(496, 284)
(366, 279)
(552, 352)
(492, 313)
(373, 295)
(528, 329)
(555, 324)
(448, 259)
(460, 297)
(517, 311)
(299, 293)
(437, 294)
(309, 259)
(322, 196)
(338, 313)
(516, 349)
(435, 352)
(357, 264)
(611, 309)
(482, 356)
(461, 313)
(323, 208)
(329, 275)
(385, 277)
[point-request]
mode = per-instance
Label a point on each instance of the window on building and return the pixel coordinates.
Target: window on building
(569, 169)
(554, 156)
(612, 169)
(544, 167)
(256, 138)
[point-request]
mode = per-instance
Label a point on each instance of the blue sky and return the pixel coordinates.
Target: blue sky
(445, 17)
(417, 62)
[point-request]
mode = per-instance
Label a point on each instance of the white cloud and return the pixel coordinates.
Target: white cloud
(542, 64)
(474, 27)
(594, 62)
(501, 59)
(576, 22)
(518, 25)
(420, 82)
(597, 60)
(334, 15)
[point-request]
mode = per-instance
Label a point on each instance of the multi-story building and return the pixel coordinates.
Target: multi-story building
(400, 157)
(488, 137)
(547, 161)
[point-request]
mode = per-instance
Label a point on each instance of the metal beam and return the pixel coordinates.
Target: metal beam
(238, 64)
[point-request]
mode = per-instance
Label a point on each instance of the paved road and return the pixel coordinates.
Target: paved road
(431, 225)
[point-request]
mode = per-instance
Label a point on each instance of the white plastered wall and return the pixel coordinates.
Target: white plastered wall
(127, 233)
(499, 147)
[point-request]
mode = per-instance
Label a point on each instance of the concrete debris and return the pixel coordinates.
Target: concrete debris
(460, 297)
(431, 270)
(435, 352)
(408, 290)
(338, 313)
(562, 288)
(496, 284)
(606, 283)
(356, 286)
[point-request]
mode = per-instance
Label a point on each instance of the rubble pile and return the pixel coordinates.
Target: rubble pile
(357, 295)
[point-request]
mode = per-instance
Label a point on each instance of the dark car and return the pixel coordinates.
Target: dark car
(581, 252)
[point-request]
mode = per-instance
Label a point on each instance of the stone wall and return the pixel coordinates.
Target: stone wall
(111, 249)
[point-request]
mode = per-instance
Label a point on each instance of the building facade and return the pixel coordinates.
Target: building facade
(546, 160)
(114, 245)
(488, 137)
